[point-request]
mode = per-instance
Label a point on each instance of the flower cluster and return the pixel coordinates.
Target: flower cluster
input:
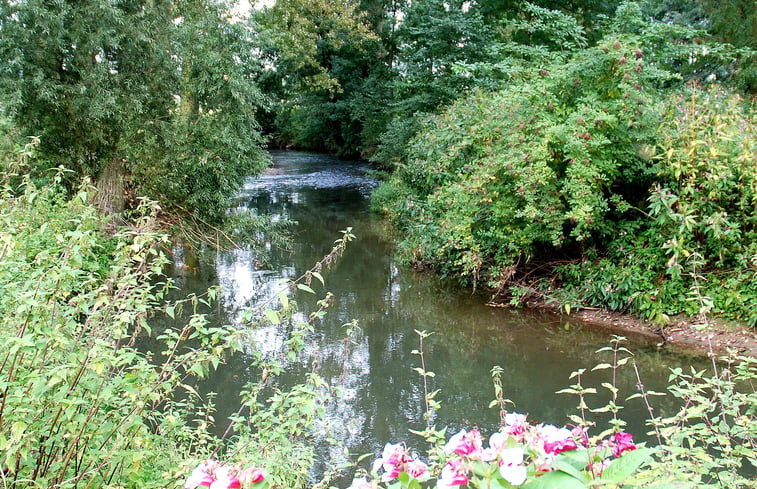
(395, 460)
(516, 453)
(216, 476)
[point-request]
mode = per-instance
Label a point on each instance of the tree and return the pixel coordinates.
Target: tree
(212, 141)
(98, 82)
(433, 38)
(319, 53)
(79, 74)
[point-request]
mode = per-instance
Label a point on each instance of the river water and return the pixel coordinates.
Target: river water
(381, 395)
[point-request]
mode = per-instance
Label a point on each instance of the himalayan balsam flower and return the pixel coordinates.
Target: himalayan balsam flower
(225, 479)
(396, 460)
(557, 440)
(393, 460)
(252, 475)
(516, 425)
(511, 466)
(200, 476)
(214, 476)
(417, 470)
(453, 474)
(465, 443)
(498, 440)
(622, 442)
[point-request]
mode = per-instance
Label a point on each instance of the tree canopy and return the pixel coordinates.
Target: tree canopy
(146, 97)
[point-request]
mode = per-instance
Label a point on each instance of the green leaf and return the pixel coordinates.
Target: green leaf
(272, 316)
(318, 276)
(305, 288)
(555, 479)
(284, 300)
(622, 468)
(601, 366)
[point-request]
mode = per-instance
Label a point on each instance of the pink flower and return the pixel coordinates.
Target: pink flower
(511, 466)
(257, 476)
(465, 443)
(417, 469)
(453, 474)
(200, 476)
(393, 460)
(396, 460)
(559, 446)
(580, 435)
(557, 440)
(252, 475)
(622, 442)
(515, 425)
(225, 479)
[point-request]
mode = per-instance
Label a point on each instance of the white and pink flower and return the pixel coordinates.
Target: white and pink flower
(200, 477)
(556, 440)
(511, 466)
(395, 460)
(253, 475)
(453, 474)
(465, 443)
(225, 478)
(516, 425)
(215, 476)
(417, 470)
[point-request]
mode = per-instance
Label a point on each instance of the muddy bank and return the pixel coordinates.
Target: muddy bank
(681, 335)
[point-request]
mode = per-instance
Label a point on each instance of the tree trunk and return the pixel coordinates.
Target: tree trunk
(110, 197)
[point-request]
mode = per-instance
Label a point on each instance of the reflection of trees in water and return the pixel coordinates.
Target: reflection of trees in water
(381, 395)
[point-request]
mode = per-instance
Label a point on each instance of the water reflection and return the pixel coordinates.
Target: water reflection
(380, 396)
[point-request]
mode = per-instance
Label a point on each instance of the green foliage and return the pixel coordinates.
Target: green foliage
(501, 177)
(156, 95)
(207, 148)
(77, 74)
(710, 440)
(700, 220)
(708, 189)
(433, 37)
(82, 404)
(78, 399)
(562, 164)
(319, 53)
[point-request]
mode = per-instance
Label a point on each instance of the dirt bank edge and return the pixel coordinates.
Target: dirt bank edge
(681, 335)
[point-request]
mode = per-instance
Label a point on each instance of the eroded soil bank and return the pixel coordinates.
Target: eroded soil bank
(685, 335)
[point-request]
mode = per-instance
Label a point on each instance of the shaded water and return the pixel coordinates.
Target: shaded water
(381, 395)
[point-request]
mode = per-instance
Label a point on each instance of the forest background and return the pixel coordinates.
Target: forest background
(586, 153)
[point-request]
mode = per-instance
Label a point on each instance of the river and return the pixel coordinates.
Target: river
(381, 395)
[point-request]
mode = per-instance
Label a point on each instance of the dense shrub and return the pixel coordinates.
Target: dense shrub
(81, 404)
(515, 175)
(700, 224)
(601, 167)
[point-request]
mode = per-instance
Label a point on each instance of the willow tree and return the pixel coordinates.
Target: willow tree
(100, 83)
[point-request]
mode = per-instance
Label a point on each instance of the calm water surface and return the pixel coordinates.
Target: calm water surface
(381, 396)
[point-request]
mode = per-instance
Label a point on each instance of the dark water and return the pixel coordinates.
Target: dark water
(380, 395)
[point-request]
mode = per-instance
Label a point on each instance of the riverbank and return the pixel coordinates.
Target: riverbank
(682, 334)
